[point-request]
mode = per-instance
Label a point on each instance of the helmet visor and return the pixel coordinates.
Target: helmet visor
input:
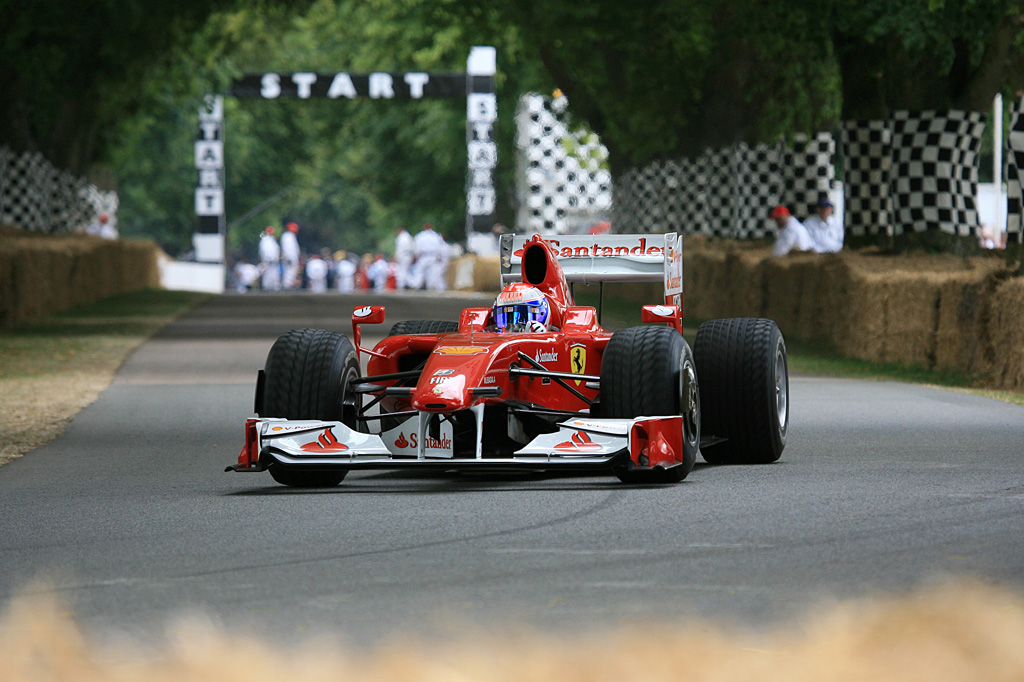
(510, 315)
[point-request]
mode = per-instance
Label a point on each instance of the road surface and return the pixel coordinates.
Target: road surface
(883, 487)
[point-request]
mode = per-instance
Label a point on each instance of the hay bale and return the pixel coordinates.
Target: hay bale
(1006, 334)
(961, 337)
(43, 274)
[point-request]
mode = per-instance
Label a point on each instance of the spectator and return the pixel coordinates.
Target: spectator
(377, 273)
(792, 234)
(403, 257)
(290, 255)
(101, 227)
(270, 261)
(824, 228)
(432, 258)
(345, 272)
(316, 274)
(245, 275)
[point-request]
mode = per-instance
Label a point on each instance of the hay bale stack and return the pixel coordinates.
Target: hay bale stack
(1006, 334)
(43, 274)
(962, 338)
(705, 289)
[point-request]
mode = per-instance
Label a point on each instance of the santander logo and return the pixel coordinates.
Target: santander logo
(580, 442)
(326, 442)
(444, 443)
(597, 250)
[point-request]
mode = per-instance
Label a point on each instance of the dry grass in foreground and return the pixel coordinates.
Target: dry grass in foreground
(49, 371)
(963, 631)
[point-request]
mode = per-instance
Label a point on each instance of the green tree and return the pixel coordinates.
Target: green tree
(926, 54)
(661, 80)
(70, 71)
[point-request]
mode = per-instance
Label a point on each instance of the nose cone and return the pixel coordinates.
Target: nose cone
(441, 393)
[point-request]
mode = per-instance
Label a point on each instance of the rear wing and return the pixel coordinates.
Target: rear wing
(590, 259)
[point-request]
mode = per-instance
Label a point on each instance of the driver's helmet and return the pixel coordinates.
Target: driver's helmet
(521, 307)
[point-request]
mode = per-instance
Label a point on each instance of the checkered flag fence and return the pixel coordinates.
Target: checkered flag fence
(867, 156)
(935, 170)
(1015, 174)
(563, 179)
(915, 172)
(36, 196)
(725, 192)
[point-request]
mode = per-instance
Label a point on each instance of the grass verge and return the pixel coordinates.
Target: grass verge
(52, 369)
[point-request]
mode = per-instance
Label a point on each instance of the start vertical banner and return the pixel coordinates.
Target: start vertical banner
(209, 159)
(482, 150)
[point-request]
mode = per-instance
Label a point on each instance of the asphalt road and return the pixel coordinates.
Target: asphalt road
(882, 487)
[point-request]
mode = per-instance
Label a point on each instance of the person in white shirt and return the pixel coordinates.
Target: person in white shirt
(825, 228)
(432, 258)
(102, 228)
(245, 275)
(316, 272)
(345, 272)
(792, 234)
(404, 252)
(378, 273)
(270, 261)
(290, 255)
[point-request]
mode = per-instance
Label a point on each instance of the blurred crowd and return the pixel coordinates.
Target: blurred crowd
(418, 262)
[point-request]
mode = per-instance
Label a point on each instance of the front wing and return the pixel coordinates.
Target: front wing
(579, 444)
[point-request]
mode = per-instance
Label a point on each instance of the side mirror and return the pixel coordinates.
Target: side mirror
(669, 314)
(368, 314)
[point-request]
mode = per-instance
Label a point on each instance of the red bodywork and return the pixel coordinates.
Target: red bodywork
(473, 357)
(479, 379)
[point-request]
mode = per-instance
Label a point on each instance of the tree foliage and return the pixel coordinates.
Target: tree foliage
(119, 81)
(926, 54)
(70, 70)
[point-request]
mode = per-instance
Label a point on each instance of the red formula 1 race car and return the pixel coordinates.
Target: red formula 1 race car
(532, 383)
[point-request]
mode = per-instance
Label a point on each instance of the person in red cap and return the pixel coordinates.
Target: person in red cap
(792, 234)
(290, 255)
(101, 227)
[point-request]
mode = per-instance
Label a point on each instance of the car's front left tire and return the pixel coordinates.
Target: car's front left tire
(308, 375)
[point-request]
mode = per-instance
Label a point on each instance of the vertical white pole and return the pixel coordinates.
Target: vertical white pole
(997, 164)
(997, 141)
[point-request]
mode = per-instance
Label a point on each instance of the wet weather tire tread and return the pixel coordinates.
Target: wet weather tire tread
(736, 369)
(423, 327)
(640, 377)
(304, 376)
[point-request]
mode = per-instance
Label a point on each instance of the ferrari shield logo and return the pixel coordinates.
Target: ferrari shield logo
(578, 360)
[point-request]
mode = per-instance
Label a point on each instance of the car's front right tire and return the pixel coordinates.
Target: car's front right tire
(650, 371)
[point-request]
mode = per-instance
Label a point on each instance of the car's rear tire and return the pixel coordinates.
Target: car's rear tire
(742, 367)
(423, 327)
(309, 375)
(650, 371)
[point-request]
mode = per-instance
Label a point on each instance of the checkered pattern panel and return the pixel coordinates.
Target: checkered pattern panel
(935, 170)
(718, 192)
(755, 183)
(562, 179)
(687, 191)
(807, 171)
(725, 192)
(34, 195)
(1015, 174)
(867, 154)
